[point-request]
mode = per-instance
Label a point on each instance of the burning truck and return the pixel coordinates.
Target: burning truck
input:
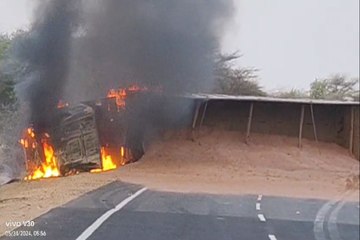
(93, 136)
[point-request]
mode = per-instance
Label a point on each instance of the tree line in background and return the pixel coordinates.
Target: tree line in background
(244, 81)
(11, 115)
(336, 87)
(230, 79)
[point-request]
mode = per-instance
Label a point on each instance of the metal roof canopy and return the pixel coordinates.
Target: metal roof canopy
(204, 96)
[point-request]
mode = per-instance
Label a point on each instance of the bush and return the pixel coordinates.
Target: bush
(236, 80)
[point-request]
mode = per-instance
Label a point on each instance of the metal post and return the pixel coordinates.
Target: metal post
(249, 122)
(203, 114)
(198, 104)
(313, 122)
(351, 131)
(301, 125)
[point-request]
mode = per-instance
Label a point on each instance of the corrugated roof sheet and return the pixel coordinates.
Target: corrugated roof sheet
(269, 99)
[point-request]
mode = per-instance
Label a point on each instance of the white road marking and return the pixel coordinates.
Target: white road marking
(259, 197)
(332, 222)
(272, 237)
(322, 213)
(262, 217)
(320, 218)
(95, 225)
(258, 206)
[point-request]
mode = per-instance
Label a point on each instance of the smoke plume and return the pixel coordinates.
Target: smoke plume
(81, 48)
(167, 43)
(47, 54)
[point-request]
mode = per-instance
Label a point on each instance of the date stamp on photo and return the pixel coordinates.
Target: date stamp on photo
(26, 229)
(25, 233)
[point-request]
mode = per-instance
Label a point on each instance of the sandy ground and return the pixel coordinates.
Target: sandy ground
(216, 162)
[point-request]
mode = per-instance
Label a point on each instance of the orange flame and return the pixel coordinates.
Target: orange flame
(121, 94)
(122, 151)
(106, 161)
(48, 167)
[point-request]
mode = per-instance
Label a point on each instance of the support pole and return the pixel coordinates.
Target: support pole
(313, 122)
(196, 114)
(203, 114)
(301, 124)
(249, 122)
(198, 104)
(351, 131)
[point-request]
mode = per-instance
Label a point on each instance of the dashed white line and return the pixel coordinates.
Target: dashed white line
(262, 217)
(258, 206)
(272, 237)
(95, 225)
(259, 197)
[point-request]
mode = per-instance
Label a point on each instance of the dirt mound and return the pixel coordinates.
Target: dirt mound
(229, 150)
(221, 160)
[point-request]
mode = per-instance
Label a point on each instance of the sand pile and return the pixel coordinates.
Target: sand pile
(219, 161)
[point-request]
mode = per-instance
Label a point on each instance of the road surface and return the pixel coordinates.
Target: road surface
(132, 212)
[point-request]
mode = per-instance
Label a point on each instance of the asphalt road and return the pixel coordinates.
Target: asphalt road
(114, 212)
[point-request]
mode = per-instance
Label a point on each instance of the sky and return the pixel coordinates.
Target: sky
(291, 42)
(15, 14)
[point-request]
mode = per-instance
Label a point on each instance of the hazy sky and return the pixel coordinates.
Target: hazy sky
(292, 42)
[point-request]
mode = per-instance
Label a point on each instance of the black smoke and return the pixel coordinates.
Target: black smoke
(46, 51)
(167, 43)
(78, 49)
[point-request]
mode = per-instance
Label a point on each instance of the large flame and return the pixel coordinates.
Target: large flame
(40, 155)
(107, 162)
(111, 159)
(48, 166)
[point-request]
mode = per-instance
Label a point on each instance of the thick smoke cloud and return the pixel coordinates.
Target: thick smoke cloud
(167, 43)
(78, 49)
(47, 54)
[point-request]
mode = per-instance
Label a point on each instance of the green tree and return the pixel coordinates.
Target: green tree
(7, 92)
(337, 87)
(236, 80)
(318, 89)
(293, 93)
(5, 42)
